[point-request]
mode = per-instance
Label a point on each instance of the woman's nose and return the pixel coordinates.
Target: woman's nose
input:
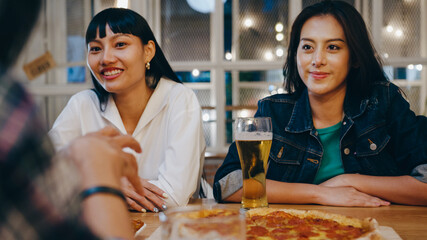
(319, 59)
(108, 57)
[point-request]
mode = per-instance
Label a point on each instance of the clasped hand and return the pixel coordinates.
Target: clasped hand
(339, 191)
(150, 199)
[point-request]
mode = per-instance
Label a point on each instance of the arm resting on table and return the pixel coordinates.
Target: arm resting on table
(281, 192)
(401, 189)
(302, 193)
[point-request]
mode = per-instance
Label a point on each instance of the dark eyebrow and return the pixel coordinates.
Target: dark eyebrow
(116, 35)
(330, 40)
(93, 40)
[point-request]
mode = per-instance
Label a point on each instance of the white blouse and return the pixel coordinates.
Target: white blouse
(170, 132)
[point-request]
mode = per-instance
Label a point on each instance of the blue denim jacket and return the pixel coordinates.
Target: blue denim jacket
(380, 136)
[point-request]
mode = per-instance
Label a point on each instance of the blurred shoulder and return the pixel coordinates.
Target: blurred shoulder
(386, 90)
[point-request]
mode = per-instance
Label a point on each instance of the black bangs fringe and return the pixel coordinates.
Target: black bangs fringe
(119, 22)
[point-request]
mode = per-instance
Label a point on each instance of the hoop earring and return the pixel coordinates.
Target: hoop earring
(147, 66)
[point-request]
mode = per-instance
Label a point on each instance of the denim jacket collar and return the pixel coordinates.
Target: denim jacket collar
(354, 106)
(301, 120)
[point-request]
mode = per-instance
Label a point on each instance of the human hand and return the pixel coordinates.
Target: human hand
(151, 198)
(101, 159)
(349, 196)
(343, 180)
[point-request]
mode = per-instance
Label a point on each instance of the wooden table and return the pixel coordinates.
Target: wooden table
(410, 222)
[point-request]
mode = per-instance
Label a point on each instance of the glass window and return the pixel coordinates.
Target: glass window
(185, 30)
(409, 80)
(243, 94)
(194, 76)
(401, 30)
(263, 29)
(76, 49)
(410, 73)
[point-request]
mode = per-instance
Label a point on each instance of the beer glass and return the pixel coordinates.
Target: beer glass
(253, 140)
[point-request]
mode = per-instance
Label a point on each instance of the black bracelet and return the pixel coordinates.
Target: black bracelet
(101, 189)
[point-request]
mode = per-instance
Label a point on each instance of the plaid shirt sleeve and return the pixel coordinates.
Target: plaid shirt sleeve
(38, 193)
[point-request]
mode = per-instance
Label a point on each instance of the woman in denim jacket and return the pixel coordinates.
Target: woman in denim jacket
(343, 135)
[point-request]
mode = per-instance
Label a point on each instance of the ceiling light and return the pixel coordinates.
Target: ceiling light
(398, 33)
(195, 72)
(280, 37)
(248, 22)
(122, 3)
(228, 56)
(268, 56)
(203, 6)
(279, 27)
(280, 52)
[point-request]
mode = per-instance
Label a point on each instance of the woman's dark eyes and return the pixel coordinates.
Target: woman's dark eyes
(306, 47)
(330, 47)
(94, 49)
(333, 47)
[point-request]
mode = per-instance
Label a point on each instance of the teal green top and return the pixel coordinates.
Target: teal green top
(331, 164)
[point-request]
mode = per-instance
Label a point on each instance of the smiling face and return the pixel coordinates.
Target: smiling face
(323, 57)
(118, 61)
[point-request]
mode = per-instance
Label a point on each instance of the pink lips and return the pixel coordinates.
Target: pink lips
(110, 77)
(319, 75)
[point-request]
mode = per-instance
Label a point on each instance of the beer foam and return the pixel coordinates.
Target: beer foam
(254, 136)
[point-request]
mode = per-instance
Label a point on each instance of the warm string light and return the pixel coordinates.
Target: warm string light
(275, 90)
(397, 32)
(280, 52)
(269, 54)
(195, 72)
(248, 22)
(419, 67)
(228, 56)
(280, 37)
(279, 27)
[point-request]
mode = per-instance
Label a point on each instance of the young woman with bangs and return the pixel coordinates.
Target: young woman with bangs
(137, 92)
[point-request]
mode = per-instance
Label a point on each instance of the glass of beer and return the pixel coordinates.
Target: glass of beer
(253, 140)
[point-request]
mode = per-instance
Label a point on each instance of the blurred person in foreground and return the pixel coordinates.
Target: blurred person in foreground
(343, 134)
(39, 192)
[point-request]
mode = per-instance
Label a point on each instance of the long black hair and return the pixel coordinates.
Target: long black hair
(366, 65)
(121, 20)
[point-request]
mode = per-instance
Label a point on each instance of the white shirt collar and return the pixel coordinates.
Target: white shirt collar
(156, 103)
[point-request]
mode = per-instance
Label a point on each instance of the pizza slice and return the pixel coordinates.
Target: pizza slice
(271, 224)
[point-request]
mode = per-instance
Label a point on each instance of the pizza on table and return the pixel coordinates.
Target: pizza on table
(270, 223)
(277, 224)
